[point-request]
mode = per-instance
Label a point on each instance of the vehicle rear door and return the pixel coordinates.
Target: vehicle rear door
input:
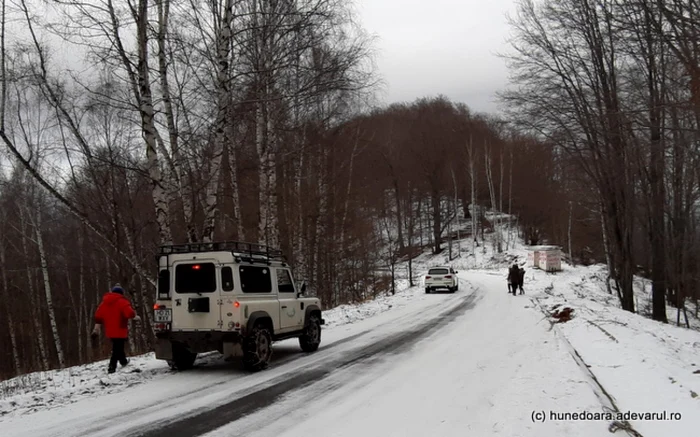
(440, 277)
(196, 296)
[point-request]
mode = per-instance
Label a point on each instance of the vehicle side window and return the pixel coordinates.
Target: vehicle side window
(227, 279)
(255, 279)
(284, 281)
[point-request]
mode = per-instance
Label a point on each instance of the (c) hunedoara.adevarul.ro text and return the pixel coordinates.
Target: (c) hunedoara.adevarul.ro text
(556, 416)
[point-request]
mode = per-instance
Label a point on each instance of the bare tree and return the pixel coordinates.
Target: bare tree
(579, 110)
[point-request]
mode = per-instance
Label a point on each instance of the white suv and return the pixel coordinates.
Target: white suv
(233, 297)
(441, 277)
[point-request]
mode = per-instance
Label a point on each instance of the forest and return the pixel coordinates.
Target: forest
(126, 125)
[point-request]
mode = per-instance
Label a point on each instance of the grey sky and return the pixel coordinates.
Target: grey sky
(431, 47)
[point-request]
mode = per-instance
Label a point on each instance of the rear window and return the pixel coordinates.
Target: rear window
(438, 272)
(195, 278)
(255, 279)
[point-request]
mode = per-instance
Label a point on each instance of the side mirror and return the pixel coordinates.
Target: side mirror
(302, 289)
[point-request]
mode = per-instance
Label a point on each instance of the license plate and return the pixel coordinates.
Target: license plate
(163, 315)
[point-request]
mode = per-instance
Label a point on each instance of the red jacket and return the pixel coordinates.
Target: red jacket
(114, 311)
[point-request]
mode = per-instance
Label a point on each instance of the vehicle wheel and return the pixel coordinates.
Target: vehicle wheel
(311, 338)
(183, 359)
(257, 349)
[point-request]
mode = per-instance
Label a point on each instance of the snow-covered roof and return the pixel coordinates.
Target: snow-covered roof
(543, 248)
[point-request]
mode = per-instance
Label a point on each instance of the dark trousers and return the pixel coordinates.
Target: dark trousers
(118, 353)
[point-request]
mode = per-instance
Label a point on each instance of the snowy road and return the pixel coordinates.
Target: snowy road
(480, 373)
(478, 362)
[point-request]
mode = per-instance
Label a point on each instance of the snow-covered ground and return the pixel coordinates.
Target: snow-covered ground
(645, 366)
(484, 369)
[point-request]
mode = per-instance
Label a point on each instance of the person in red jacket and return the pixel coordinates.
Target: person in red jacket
(113, 313)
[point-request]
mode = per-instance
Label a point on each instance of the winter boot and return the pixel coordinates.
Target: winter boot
(111, 370)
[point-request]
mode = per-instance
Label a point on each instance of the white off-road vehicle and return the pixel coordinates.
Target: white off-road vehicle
(233, 297)
(441, 277)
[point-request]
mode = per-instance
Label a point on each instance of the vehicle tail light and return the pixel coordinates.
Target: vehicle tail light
(448, 277)
(427, 277)
(237, 304)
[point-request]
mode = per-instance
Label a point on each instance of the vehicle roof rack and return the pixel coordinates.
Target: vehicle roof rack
(240, 249)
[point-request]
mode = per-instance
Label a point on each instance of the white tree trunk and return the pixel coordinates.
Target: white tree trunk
(130, 338)
(499, 220)
(176, 182)
(510, 201)
(148, 127)
(83, 314)
(492, 191)
(571, 211)
(348, 189)
(232, 153)
(606, 247)
(299, 258)
(36, 321)
(268, 231)
(271, 216)
(472, 178)
(318, 227)
(223, 61)
(456, 208)
(74, 306)
(47, 290)
(10, 321)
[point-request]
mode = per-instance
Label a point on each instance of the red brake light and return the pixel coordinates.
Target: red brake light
(448, 277)
(236, 304)
(427, 277)
(195, 267)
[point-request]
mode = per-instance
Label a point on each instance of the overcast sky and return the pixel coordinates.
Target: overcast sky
(431, 47)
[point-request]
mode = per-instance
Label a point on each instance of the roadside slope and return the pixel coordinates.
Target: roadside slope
(645, 366)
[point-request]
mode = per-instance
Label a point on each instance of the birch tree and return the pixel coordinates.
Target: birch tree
(36, 224)
(6, 300)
